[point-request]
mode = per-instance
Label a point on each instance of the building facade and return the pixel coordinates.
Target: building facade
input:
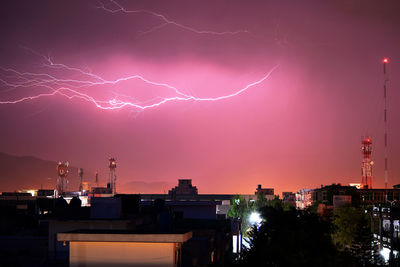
(122, 248)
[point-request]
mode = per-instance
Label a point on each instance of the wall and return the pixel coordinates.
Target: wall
(120, 254)
(59, 250)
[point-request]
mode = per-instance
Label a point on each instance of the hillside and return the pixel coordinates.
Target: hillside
(27, 172)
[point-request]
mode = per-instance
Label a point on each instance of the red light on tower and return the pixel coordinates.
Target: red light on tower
(385, 60)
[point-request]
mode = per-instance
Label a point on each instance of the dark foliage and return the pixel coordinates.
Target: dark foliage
(353, 233)
(289, 237)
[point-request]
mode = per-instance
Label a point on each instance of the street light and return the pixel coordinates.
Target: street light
(255, 218)
(385, 252)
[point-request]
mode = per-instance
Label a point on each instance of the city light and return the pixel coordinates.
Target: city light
(385, 252)
(385, 60)
(255, 218)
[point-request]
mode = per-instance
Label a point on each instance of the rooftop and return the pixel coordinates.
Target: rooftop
(123, 236)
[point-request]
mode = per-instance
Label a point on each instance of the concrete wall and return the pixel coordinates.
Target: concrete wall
(60, 250)
(121, 254)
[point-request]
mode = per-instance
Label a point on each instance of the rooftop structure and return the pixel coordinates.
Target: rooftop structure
(124, 248)
(184, 187)
(265, 191)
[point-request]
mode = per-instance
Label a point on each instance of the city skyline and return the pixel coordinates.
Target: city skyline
(316, 88)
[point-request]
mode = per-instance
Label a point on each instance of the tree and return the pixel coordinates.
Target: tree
(239, 208)
(278, 204)
(289, 237)
(313, 208)
(260, 201)
(238, 211)
(353, 232)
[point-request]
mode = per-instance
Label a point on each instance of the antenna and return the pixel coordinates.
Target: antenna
(96, 175)
(386, 79)
(62, 171)
(80, 173)
(366, 165)
(112, 177)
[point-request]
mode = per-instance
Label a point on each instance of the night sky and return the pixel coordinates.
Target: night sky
(299, 128)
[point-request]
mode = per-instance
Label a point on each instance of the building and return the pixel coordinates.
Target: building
(341, 200)
(303, 198)
(185, 191)
(100, 192)
(373, 196)
(128, 214)
(268, 192)
(60, 250)
(14, 203)
(184, 187)
(181, 211)
(187, 209)
(387, 232)
(124, 248)
(356, 185)
(367, 196)
(289, 198)
(325, 194)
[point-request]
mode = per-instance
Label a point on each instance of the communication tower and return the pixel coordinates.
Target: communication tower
(112, 177)
(62, 171)
(366, 165)
(80, 173)
(96, 176)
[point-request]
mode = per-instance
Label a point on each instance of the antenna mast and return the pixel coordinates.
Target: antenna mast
(80, 173)
(62, 170)
(386, 79)
(96, 176)
(112, 176)
(366, 165)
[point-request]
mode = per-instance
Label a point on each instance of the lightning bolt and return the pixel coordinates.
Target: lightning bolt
(13, 79)
(120, 9)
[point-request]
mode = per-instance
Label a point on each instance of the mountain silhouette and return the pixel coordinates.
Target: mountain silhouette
(28, 172)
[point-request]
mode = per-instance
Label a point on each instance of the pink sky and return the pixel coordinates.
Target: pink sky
(300, 128)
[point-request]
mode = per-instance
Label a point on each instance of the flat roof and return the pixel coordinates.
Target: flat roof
(184, 203)
(123, 236)
(198, 197)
